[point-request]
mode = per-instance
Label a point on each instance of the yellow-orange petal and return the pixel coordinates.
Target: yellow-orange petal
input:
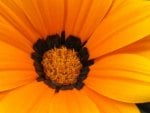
(23, 99)
(107, 105)
(14, 16)
(82, 17)
(123, 77)
(119, 29)
(141, 47)
(124, 90)
(72, 101)
(125, 66)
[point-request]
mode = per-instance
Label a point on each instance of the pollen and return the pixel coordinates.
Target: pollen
(61, 65)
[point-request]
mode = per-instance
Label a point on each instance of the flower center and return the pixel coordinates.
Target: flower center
(61, 65)
(61, 62)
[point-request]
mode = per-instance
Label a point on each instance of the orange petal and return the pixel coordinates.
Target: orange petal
(107, 105)
(42, 105)
(32, 11)
(52, 14)
(72, 102)
(118, 29)
(15, 18)
(23, 99)
(45, 16)
(71, 14)
(11, 36)
(3, 94)
(123, 77)
(10, 79)
(13, 58)
(82, 17)
(97, 12)
(58, 103)
(16, 67)
(84, 8)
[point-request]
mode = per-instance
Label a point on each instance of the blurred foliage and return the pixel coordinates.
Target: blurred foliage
(144, 108)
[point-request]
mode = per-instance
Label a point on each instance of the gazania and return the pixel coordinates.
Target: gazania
(74, 56)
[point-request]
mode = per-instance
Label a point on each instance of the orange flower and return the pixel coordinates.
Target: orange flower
(115, 34)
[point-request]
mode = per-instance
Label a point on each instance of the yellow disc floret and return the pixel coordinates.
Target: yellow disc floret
(61, 65)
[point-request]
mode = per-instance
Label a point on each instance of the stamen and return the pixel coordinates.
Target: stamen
(61, 65)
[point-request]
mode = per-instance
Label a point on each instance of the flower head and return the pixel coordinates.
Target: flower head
(74, 56)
